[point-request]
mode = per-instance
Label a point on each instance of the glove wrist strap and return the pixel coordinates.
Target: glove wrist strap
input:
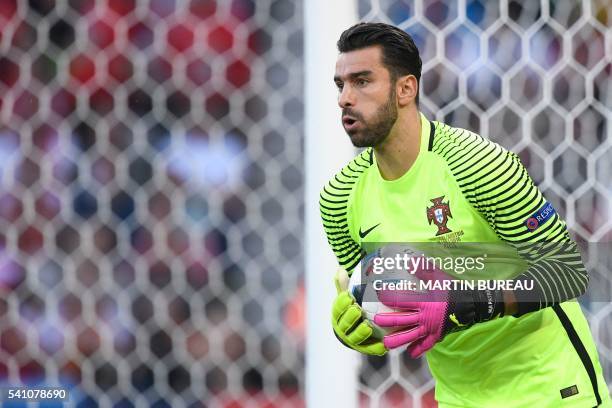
(476, 306)
(488, 304)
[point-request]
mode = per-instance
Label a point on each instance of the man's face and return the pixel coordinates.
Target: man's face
(366, 95)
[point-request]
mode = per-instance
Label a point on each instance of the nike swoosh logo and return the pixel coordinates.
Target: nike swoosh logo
(362, 234)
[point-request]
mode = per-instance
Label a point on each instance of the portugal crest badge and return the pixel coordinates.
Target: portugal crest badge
(439, 213)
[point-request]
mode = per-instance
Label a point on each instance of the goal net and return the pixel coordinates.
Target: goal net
(533, 76)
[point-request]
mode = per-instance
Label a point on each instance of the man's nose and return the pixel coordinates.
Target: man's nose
(346, 97)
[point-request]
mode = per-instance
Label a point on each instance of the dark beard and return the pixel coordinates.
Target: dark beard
(374, 132)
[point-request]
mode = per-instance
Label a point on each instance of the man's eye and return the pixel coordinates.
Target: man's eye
(339, 86)
(361, 82)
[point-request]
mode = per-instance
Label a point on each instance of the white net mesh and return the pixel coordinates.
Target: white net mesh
(150, 200)
(533, 76)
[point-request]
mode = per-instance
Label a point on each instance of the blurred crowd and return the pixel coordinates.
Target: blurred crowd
(150, 200)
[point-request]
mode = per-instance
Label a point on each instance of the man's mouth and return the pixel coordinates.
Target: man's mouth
(349, 122)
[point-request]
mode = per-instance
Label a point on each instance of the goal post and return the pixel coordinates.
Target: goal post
(327, 149)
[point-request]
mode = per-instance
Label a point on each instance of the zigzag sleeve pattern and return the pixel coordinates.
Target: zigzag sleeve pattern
(497, 185)
(334, 203)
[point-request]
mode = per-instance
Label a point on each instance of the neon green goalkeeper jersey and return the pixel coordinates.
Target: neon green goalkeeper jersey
(464, 188)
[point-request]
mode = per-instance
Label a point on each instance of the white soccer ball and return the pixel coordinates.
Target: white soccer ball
(362, 283)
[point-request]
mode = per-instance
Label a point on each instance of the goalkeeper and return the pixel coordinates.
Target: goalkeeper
(424, 181)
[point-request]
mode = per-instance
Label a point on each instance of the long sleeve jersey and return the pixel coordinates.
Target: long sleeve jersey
(464, 188)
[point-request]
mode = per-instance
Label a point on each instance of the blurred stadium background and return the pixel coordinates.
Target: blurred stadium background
(152, 182)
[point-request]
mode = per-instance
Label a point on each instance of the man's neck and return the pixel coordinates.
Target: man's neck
(400, 149)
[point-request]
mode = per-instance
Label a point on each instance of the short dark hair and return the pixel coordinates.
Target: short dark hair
(400, 54)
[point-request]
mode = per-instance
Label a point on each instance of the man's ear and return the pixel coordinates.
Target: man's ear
(407, 89)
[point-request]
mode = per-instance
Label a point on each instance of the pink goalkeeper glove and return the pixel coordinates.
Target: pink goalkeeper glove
(431, 316)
